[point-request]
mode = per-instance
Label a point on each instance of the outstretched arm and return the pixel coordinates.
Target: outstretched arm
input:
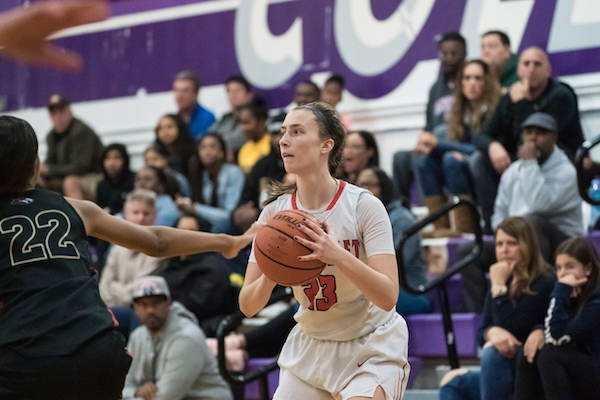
(156, 241)
(24, 31)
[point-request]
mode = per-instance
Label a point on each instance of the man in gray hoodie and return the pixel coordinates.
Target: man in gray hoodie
(170, 358)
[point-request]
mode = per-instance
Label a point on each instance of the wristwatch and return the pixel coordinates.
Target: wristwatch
(499, 290)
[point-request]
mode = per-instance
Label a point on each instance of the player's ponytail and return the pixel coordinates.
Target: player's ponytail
(18, 155)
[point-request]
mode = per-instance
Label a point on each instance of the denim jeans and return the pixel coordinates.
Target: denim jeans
(497, 375)
(438, 170)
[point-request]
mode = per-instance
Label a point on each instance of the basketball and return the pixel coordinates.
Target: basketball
(277, 252)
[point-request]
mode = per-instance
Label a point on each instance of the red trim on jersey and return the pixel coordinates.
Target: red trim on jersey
(333, 201)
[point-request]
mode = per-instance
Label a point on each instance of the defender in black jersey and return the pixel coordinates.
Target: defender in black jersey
(57, 338)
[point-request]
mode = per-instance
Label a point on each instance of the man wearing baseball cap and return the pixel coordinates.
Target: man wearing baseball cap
(540, 186)
(170, 356)
(73, 161)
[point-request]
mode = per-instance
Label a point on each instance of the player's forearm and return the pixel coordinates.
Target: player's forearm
(254, 296)
(378, 285)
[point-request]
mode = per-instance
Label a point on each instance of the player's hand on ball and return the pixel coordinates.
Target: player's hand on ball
(323, 243)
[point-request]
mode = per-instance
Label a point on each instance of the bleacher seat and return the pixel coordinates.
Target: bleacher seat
(252, 391)
(426, 335)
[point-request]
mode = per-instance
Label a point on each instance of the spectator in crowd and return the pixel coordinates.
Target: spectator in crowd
(170, 356)
(200, 281)
(172, 134)
(542, 187)
(265, 171)
(112, 191)
(452, 50)
(514, 311)
(216, 186)
(306, 92)
(567, 366)
(333, 89)
(331, 94)
(499, 140)
(156, 155)
(118, 178)
(253, 121)
(186, 88)
(73, 164)
(444, 167)
(239, 92)
(123, 265)
(495, 51)
(376, 180)
(155, 180)
(359, 153)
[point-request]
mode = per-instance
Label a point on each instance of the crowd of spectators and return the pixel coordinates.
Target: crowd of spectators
(500, 131)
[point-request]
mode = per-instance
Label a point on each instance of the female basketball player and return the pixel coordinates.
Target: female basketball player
(349, 342)
(57, 338)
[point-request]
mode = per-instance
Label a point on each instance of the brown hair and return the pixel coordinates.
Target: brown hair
(460, 107)
(330, 127)
(581, 250)
(532, 262)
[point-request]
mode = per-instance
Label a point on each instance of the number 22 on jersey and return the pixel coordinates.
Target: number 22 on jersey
(40, 240)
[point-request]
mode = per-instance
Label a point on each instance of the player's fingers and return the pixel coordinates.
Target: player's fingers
(313, 225)
(306, 243)
(60, 58)
(69, 13)
(308, 257)
(308, 231)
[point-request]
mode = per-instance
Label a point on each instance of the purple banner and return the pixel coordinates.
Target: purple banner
(298, 39)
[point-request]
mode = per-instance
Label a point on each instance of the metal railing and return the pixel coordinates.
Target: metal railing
(227, 325)
(439, 283)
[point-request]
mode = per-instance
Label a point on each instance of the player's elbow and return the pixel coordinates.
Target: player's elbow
(248, 312)
(388, 305)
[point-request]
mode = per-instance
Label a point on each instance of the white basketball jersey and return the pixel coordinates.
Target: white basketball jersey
(331, 306)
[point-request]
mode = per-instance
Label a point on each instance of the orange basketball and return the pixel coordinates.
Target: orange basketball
(277, 252)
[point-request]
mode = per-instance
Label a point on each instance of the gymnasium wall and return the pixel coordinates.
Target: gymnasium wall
(386, 49)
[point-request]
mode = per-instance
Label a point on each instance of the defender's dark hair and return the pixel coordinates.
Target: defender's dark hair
(124, 156)
(503, 36)
(239, 79)
(453, 37)
(18, 154)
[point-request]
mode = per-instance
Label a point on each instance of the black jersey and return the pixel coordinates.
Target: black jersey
(49, 300)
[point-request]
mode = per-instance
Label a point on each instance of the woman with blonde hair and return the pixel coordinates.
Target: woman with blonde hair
(444, 167)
